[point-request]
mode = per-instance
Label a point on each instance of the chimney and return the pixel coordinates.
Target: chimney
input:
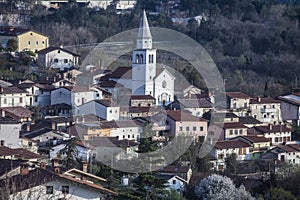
(57, 170)
(27, 127)
(55, 162)
(43, 165)
(258, 99)
(2, 143)
(84, 166)
(270, 126)
(24, 169)
(53, 126)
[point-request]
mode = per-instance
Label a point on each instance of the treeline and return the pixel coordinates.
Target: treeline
(255, 43)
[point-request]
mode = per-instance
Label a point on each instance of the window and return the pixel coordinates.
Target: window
(187, 128)
(58, 51)
(65, 189)
(235, 132)
(30, 144)
(5, 101)
(43, 42)
(180, 128)
(123, 136)
(28, 42)
(231, 132)
(31, 33)
(49, 189)
(65, 60)
(194, 128)
(37, 42)
(241, 132)
(55, 60)
(21, 100)
(174, 182)
(201, 128)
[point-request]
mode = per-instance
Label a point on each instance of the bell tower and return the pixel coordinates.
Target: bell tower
(143, 61)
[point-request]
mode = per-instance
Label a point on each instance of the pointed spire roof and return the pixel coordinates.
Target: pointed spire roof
(144, 30)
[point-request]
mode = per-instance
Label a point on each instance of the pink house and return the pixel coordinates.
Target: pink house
(184, 123)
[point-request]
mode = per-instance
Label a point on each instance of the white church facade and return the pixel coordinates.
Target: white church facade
(146, 78)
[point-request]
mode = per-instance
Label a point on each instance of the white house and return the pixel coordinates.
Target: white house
(290, 108)
(278, 134)
(289, 153)
(9, 132)
(104, 109)
(174, 182)
(57, 58)
(74, 96)
(13, 96)
(266, 110)
(223, 149)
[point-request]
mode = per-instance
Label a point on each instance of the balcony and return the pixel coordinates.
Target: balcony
(268, 110)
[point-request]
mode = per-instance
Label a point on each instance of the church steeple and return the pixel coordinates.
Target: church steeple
(144, 39)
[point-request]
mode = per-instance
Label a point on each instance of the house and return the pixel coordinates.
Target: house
(230, 130)
(46, 136)
(38, 94)
(135, 112)
(17, 113)
(9, 132)
(13, 96)
(223, 149)
(124, 129)
(238, 102)
(57, 58)
(29, 144)
(142, 101)
(183, 123)
(266, 110)
(105, 109)
(278, 134)
(40, 183)
(290, 108)
(250, 121)
(18, 153)
(288, 153)
(196, 107)
(184, 172)
(173, 182)
(110, 149)
(72, 95)
(259, 144)
(84, 150)
(28, 40)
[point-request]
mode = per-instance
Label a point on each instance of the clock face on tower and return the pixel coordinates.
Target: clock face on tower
(164, 84)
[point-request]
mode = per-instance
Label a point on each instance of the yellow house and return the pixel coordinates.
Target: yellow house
(28, 40)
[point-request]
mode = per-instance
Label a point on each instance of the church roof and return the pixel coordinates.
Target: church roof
(144, 31)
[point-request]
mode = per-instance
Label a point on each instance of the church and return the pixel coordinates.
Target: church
(145, 76)
(147, 79)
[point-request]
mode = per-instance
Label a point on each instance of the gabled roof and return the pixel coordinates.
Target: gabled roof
(194, 103)
(12, 90)
(260, 100)
(231, 125)
(178, 115)
(109, 84)
(52, 48)
(119, 124)
(174, 169)
(230, 144)
(144, 31)
(122, 72)
(106, 103)
(249, 120)
(142, 97)
(12, 31)
(271, 129)
(17, 112)
(38, 132)
(237, 95)
(254, 138)
(292, 99)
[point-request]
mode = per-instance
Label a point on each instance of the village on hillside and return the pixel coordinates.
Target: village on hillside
(61, 139)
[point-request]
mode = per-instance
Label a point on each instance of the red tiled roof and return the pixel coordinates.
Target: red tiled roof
(230, 144)
(263, 100)
(274, 129)
(17, 112)
(231, 125)
(238, 95)
(12, 90)
(295, 146)
(178, 115)
(255, 139)
(286, 148)
(12, 31)
(89, 184)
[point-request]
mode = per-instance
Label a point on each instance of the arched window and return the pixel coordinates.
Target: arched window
(137, 57)
(149, 59)
(141, 60)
